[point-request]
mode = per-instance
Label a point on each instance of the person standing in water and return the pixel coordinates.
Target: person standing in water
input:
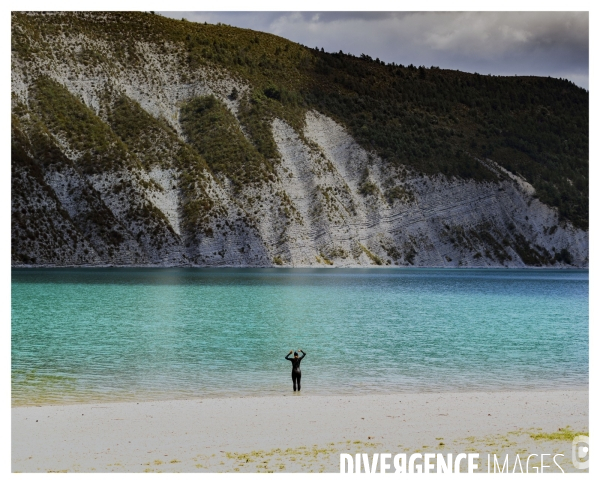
(296, 374)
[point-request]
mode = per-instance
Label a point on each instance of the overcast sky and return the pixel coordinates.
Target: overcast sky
(506, 43)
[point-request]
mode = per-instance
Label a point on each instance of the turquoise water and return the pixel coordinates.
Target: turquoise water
(140, 334)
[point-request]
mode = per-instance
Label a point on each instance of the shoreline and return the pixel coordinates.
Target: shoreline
(274, 266)
(227, 396)
(288, 433)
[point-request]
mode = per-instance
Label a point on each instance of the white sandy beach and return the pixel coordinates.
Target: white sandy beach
(289, 433)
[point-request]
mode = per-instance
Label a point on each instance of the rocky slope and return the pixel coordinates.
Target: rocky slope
(165, 161)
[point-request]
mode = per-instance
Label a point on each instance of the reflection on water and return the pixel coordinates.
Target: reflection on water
(134, 334)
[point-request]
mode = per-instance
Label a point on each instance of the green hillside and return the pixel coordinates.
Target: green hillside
(431, 120)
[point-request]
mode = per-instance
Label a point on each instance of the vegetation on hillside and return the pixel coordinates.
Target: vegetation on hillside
(213, 131)
(442, 121)
(431, 120)
(97, 146)
(156, 144)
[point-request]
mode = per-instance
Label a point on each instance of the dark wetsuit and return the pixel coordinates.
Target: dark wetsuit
(296, 373)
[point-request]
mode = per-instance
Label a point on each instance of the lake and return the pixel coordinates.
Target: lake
(98, 335)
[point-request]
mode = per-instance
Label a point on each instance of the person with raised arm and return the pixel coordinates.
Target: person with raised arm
(296, 373)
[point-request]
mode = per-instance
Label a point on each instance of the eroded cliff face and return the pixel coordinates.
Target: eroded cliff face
(147, 197)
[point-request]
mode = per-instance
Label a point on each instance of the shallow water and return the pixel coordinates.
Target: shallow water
(87, 335)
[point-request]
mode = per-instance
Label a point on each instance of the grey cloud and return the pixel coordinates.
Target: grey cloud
(505, 43)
